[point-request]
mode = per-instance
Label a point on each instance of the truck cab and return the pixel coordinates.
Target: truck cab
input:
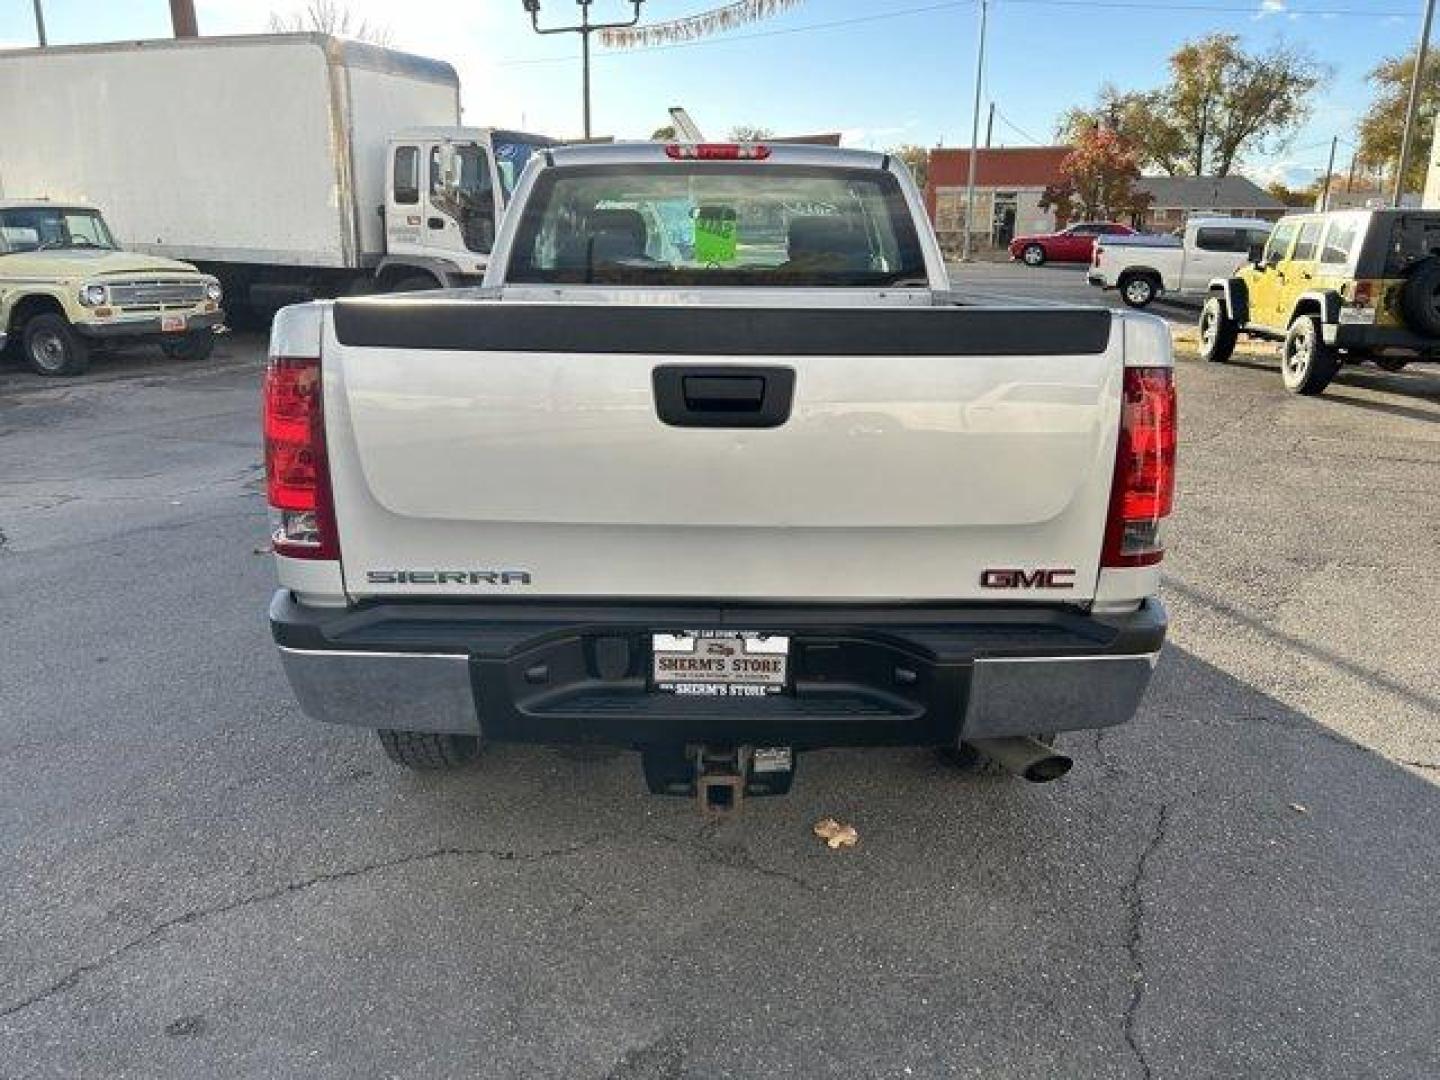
(446, 189)
(1184, 263)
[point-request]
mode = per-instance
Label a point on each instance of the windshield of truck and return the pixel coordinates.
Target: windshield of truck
(42, 228)
(511, 157)
(707, 223)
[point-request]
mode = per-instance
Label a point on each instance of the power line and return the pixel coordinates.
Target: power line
(835, 24)
(1017, 129)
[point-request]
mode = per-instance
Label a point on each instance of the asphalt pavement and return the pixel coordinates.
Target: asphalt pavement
(199, 881)
(1056, 283)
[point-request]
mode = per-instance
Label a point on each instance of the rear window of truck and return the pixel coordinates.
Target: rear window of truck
(707, 223)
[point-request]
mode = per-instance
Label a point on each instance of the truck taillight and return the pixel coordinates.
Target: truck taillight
(1144, 487)
(717, 151)
(297, 475)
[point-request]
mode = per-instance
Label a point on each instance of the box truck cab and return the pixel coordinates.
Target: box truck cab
(289, 166)
(446, 190)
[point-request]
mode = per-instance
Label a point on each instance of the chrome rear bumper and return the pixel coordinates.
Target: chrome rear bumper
(861, 676)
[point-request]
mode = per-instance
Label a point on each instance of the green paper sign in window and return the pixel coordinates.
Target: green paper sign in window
(715, 235)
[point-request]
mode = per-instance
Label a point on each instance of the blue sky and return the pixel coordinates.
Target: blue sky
(882, 71)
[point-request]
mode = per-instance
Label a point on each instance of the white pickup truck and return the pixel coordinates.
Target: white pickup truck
(716, 466)
(1144, 266)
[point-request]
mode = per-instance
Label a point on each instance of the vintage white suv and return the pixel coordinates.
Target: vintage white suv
(717, 467)
(66, 288)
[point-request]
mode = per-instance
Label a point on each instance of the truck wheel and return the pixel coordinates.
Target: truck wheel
(414, 283)
(1218, 332)
(426, 750)
(1420, 299)
(1138, 290)
(1033, 255)
(967, 759)
(192, 347)
(52, 347)
(1307, 364)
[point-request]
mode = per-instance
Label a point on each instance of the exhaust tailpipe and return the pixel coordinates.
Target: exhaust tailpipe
(1027, 758)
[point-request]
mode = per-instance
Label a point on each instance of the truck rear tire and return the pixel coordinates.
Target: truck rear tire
(192, 348)
(1307, 364)
(429, 751)
(1138, 290)
(1218, 332)
(52, 347)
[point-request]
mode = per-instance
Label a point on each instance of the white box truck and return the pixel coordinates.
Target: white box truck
(290, 166)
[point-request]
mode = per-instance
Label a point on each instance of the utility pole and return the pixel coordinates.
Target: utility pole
(584, 28)
(990, 126)
(182, 18)
(40, 24)
(975, 136)
(1329, 169)
(1414, 100)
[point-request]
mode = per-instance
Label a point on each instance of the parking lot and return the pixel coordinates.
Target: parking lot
(202, 882)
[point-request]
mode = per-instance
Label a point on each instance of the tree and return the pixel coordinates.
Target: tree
(749, 133)
(665, 134)
(1226, 101)
(1098, 180)
(1221, 103)
(1382, 126)
(329, 17)
(1297, 197)
(916, 159)
(1138, 117)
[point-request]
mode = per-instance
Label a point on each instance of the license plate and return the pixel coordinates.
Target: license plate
(714, 663)
(171, 324)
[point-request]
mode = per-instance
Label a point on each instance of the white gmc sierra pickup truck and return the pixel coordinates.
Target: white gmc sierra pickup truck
(716, 466)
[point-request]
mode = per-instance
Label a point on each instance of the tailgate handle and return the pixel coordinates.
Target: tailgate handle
(723, 393)
(729, 396)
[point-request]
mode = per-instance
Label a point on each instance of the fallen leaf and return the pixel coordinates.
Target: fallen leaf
(835, 834)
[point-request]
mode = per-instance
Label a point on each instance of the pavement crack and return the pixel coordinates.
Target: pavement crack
(731, 855)
(72, 978)
(1135, 929)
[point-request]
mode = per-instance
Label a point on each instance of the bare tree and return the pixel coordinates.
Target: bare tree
(329, 17)
(749, 133)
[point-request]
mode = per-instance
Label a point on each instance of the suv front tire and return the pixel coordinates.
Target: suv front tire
(1218, 332)
(1307, 364)
(52, 347)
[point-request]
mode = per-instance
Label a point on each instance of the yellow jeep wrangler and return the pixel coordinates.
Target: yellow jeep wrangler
(1338, 287)
(66, 289)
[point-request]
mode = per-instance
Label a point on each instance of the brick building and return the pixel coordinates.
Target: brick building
(1008, 185)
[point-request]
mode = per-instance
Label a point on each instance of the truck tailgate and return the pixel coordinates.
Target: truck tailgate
(484, 447)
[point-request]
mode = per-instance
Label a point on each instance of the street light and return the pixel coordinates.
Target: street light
(584, 28)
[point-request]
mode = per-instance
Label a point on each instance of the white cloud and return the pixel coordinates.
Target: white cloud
(874, 138)
(1277, 8)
